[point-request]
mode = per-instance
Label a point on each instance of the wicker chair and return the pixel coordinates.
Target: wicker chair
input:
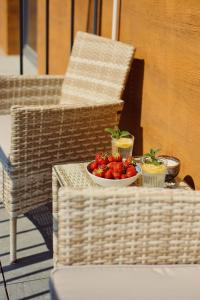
(158, 229)
(45, 120)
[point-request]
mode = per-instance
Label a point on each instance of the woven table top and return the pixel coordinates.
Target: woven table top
(74, 175)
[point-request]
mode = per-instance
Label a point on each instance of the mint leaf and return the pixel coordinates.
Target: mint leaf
(124, 133)
(117, 133)
(109, 130)
(151, 156)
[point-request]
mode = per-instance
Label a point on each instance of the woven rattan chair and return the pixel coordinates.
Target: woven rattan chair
(158, 229)
(45, 120)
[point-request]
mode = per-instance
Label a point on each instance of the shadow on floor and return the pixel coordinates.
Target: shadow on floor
(41, 217)
(28, 278)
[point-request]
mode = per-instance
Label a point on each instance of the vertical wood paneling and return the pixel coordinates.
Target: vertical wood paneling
(13, 27)
(167, 37)
(106, 19)
(83, 15)
(9, 26)
(59, 35)
(162, 96)
(41, 34)
(3, 25)
(59, 31)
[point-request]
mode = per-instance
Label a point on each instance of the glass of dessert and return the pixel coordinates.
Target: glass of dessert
(154, 170)
(122, 142)
(173, 166)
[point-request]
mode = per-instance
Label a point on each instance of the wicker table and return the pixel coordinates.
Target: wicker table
(74, 175)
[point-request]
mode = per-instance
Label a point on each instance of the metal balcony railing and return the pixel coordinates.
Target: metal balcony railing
(23, 21)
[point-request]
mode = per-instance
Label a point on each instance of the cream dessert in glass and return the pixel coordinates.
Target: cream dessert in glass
(154, 170)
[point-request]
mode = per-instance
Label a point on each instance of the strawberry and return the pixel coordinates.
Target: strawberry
(130, 161)
(104, 167)
(117, 157)
(131, 171)
(126, 164)
(108, 174)
(93, 165)
(97, 156)
(111, 158)
(101, 158)
(98, 172)
(116, 175)
(111, 165)
(123, 176)
(118, 167)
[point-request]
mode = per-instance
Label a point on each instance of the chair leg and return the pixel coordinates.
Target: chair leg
(13, 239)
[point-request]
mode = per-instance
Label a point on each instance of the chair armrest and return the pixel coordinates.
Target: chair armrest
(25, 90)
(126, 226)
(58, 133)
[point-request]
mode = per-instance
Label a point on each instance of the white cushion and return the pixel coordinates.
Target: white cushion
(126, 282)
(5, 136)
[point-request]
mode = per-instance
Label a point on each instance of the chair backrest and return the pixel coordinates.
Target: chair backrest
(127, 226)
(97, 70)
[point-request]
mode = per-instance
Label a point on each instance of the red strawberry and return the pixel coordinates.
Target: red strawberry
(131, 171)
(98, 172)
(104, 167)
(93, 165)
(117, 156)
(130, 160)
(126, 164)
(97, 156)
(123, 176)
(118, 167)
(111, 158)
(111, 165)
(116, 175)
(108, 174)
(102, 158)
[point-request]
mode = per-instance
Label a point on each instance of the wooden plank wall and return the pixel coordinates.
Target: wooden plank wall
(41, 36)
(9, 26)
(59, 35)
(167, 37)
(59, 31)
(3, 25)
(106, 18)
(13, 27)
(162, 98)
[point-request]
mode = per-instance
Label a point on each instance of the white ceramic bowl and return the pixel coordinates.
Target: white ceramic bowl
(115, 182)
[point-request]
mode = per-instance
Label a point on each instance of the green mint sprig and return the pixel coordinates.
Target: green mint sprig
(151, 157)
(116, 133)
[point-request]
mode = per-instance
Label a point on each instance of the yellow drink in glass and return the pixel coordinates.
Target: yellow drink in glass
(153, 175)
(152, 169)
(123, 145)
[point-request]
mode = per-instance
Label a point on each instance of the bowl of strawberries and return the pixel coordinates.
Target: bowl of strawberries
(111, 170)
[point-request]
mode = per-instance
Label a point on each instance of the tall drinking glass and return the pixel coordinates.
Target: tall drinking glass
(123, 145)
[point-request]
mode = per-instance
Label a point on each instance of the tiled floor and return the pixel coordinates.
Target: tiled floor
(28, 278)
(9, 64)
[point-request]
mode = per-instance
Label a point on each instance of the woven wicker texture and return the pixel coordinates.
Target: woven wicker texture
(46, 131)
(43, 136)
(97, 70)
(29, 90)
(126, 226)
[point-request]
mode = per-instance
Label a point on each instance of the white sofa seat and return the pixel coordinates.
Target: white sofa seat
(138, 282)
